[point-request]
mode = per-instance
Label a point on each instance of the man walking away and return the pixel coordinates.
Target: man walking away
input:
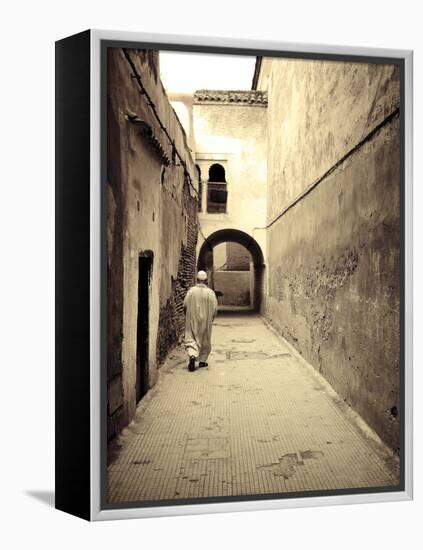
(200, 307)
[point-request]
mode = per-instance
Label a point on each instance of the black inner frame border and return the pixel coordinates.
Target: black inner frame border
(253, 52)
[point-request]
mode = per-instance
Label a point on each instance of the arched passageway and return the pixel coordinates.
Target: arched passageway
(251, 245)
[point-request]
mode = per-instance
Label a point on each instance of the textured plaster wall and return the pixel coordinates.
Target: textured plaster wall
(318, 111)
(236, 137)
(238, 257)
(220, 257)
(333, 257)
(151, 208)
(182, 104)
(235, 287)
(231, 256)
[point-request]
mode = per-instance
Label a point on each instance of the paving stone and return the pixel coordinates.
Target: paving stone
(258, 420)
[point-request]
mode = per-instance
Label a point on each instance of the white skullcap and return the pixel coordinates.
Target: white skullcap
(201, 275)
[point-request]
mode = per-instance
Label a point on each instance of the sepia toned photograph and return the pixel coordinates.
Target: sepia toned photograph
(253, 209)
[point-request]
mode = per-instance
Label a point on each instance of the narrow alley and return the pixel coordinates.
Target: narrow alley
(237, 169)
(258, 420)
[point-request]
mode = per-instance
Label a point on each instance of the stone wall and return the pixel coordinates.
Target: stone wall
(172, 317)
(151, 210)
(234, 286)
(334, 235)
(238, 257)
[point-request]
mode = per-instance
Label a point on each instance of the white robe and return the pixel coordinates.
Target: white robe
(200, 309)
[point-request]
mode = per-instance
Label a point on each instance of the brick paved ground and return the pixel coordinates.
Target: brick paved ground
(257, 420)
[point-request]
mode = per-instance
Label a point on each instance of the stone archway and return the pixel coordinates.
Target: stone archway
(242, 238)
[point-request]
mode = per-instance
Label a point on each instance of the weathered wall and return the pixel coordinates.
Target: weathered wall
(171, 323)
(333, 248)
(220, 257)
(182, 103)
(235, 287)
(231, 256)
(230, 128)
(151, 207)
(238, 257)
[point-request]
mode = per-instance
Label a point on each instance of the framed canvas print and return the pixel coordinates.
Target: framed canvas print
(233, 275)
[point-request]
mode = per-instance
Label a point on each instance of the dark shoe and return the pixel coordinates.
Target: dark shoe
(191, 364)
(203, 364)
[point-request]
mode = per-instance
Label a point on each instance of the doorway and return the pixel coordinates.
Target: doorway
(145, 264)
